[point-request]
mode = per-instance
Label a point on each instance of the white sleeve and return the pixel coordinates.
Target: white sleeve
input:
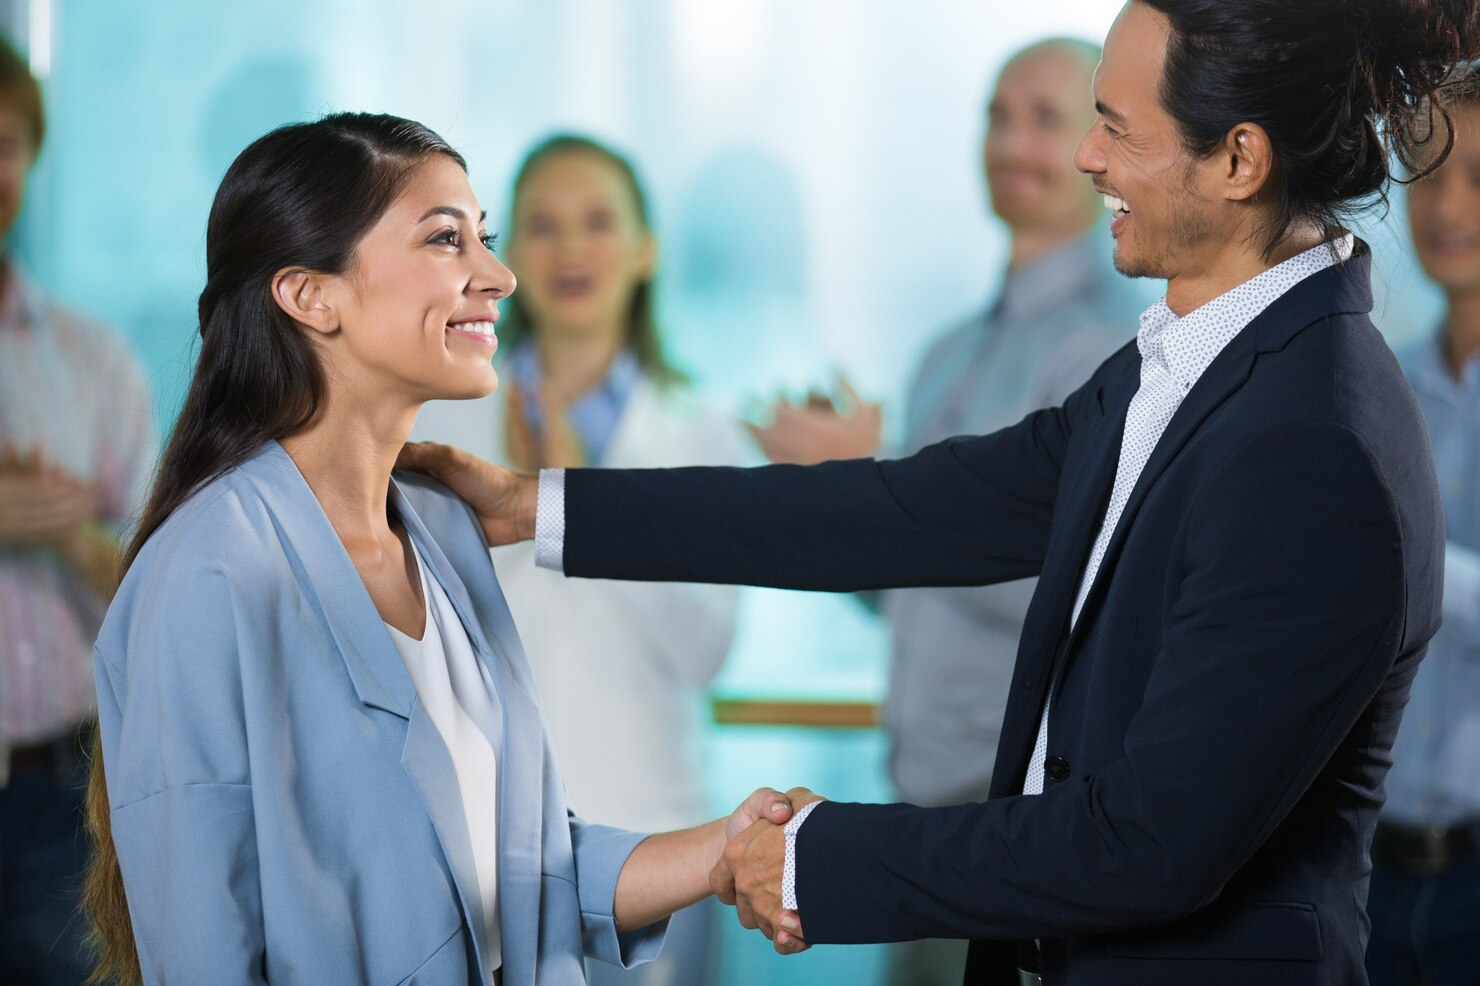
(549, 521)
(789, 871)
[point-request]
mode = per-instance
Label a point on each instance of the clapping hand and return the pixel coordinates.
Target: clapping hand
(821, 428)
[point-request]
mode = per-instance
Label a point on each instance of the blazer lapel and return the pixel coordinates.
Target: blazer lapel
(331, 584)
(520, 747)
(1226, 374)
(428, 764)
(1085, 492)
(1085, 488)
(1343, 287)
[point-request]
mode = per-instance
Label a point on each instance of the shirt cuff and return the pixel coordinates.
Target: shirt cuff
(789, 871)
(549, 521)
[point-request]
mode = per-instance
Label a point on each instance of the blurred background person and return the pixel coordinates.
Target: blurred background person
(1424, 901)
(1062, 310)
(622, 667)
(76, 449)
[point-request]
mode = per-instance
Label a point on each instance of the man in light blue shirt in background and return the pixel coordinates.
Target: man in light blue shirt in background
(1061, 311)
(1425, 895)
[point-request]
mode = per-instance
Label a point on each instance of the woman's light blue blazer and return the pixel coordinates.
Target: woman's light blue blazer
(283, 807)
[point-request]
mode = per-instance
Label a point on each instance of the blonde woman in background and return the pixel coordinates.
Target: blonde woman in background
(621, 667)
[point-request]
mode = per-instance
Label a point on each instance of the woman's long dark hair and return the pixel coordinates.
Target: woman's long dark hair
(643, 336)
(1351, 92)
(301, 196)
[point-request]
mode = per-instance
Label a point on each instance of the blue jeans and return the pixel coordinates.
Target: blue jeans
(1425, 929)
(42, 854)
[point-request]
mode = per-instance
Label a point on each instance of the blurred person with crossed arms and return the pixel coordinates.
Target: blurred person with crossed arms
(76, 447)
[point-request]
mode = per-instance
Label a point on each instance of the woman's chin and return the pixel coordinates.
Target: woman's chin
(470, 389)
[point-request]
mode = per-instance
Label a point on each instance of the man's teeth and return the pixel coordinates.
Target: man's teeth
(1116, 204)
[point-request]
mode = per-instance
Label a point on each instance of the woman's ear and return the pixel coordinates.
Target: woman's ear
(302, 295)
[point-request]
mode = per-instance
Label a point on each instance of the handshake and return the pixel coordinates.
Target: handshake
(748, 873)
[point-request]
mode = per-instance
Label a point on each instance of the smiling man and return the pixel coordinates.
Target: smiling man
(1235, 523)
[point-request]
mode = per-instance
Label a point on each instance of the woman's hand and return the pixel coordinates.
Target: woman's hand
(671, 870)
(504, 501)
(765, 803)
(748, 875)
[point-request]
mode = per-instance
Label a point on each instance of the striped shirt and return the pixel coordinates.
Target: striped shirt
(72, 391)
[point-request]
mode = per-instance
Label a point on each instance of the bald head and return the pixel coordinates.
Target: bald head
(1075, 54)
(1040, 107)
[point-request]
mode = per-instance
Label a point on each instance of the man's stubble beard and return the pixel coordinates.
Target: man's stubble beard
(1187, 226)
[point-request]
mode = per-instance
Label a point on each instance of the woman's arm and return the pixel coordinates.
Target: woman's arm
(670, 870)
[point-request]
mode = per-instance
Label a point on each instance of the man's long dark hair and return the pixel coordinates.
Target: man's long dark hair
(1350, 92)
(301, 196)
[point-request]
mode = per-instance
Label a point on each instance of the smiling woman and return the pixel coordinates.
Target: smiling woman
(326, 760)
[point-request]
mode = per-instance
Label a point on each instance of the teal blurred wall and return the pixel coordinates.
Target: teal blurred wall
(814, 165)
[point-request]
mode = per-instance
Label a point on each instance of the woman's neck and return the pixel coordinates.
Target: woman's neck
(346, 458)
(573, 364)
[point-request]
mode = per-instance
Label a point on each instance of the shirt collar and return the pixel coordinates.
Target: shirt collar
(23, 306)
(618, 382)
(1186, 346)
(1430, 366)
(1045, 282)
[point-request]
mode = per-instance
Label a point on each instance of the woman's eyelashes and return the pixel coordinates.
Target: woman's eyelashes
(452, 237)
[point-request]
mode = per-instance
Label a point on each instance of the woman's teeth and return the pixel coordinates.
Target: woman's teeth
(1116, 204)
(480, 328)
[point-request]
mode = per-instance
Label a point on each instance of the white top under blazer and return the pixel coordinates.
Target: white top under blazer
(460, 697)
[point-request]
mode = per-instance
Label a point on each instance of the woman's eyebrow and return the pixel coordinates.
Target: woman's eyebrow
(449, 210)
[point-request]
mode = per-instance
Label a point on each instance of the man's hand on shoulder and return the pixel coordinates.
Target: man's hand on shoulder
(504, 501)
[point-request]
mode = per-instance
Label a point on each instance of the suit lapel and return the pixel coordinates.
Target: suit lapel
(1344, 287)
(1224, 376)
(1084, 490)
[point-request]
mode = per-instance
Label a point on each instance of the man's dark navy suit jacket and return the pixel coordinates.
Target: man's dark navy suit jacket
(1222, 721)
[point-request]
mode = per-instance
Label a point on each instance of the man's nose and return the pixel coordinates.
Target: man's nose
(1089, 156)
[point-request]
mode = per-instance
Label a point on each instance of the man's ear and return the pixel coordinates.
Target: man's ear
(303, 296)
(1250, 161)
